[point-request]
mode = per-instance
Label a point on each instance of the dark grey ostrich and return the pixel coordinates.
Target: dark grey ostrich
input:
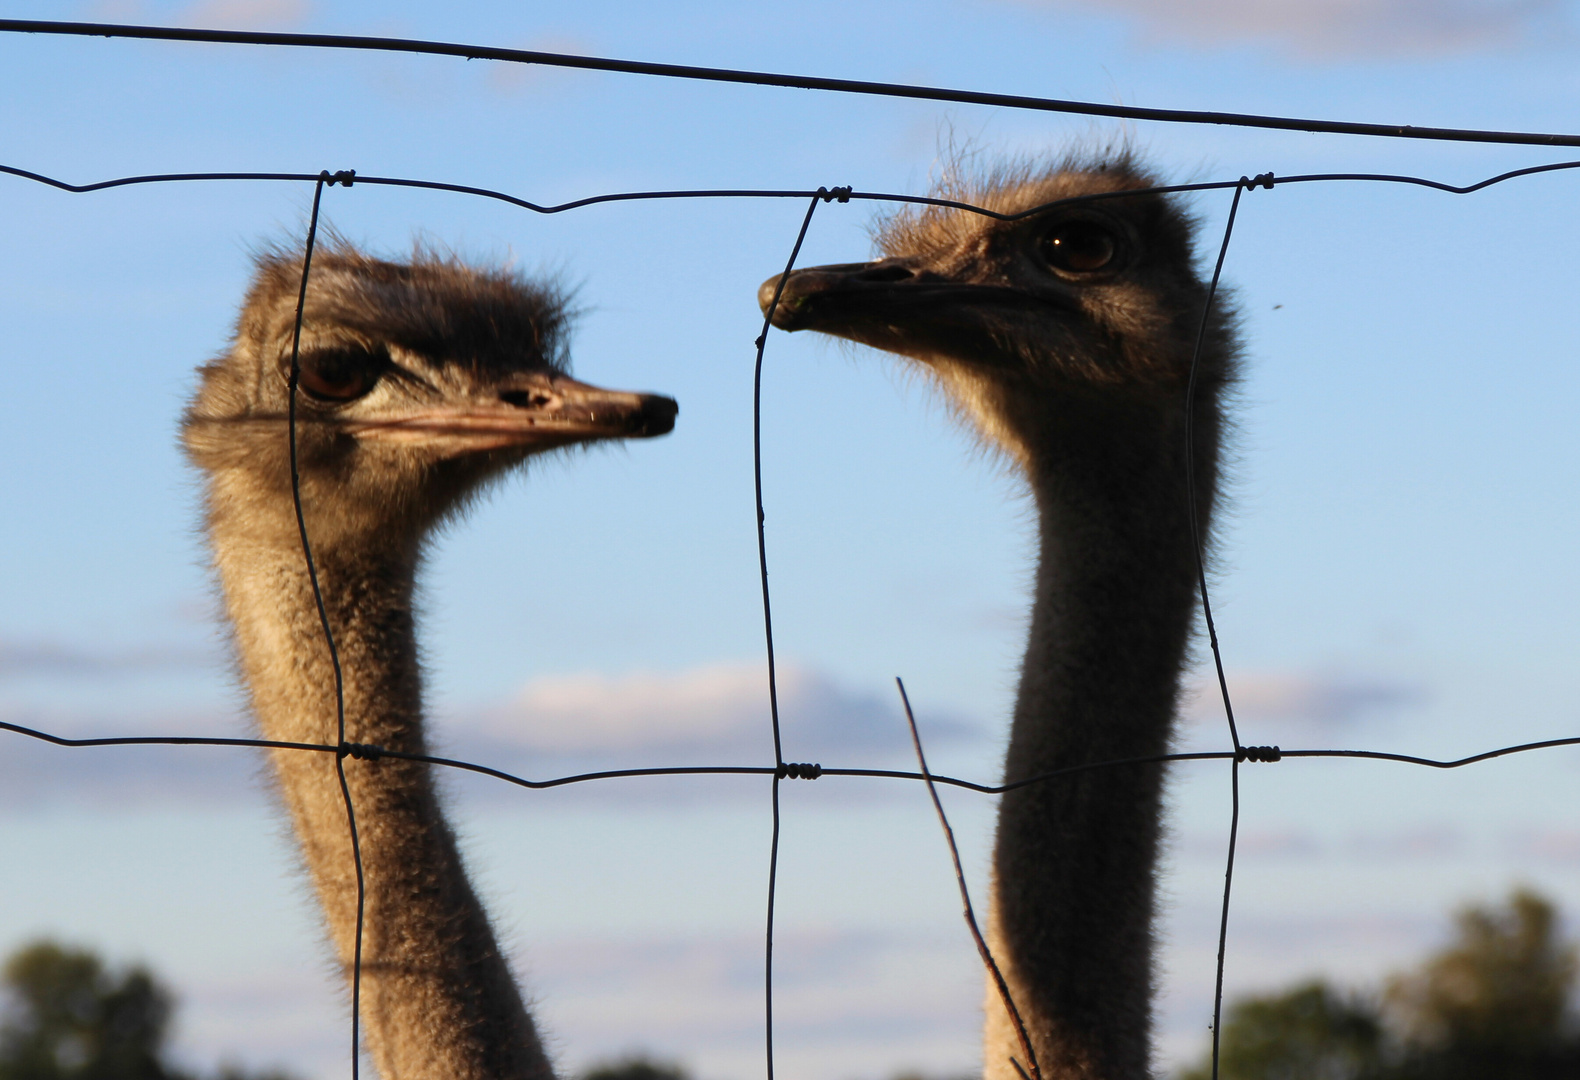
(1065, 339)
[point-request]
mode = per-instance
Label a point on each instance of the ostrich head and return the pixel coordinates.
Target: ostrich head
(1045, 330)
(418, 382)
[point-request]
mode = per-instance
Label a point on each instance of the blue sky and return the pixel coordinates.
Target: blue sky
(1396, 571)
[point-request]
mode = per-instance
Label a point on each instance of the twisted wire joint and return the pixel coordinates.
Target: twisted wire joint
(798, 770)
(360, 751)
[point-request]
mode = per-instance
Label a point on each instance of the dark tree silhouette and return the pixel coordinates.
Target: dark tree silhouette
(1494, 1005)
(69, 1019)
(637, 1067)
(66, 1017)
(1308, 1033)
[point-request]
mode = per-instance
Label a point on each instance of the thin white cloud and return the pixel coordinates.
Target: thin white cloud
(206, 14)
(1547, 845)
(877, 1003)
(1424, 842)
(1427, 842)
(245, 14)
(716, 715)
(511, 78)
(1299, 704)
(591, 713)
(1329, 29)
(20, 659)
(721, 710)
(36, 775)
(1279, 843)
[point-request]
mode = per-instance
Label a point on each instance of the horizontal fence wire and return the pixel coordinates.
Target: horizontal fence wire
(789, 770)
(781, 769)
(863, 87)
(350, 177)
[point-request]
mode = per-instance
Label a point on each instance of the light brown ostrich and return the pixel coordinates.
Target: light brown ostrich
(1065, 338)
(419, 383)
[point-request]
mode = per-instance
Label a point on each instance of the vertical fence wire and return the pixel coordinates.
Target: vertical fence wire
(1198, 542)
(341, 745)
(768, 632)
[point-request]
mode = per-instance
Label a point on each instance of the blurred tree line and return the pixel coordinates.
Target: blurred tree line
(66, 1017)
(1494, 1005)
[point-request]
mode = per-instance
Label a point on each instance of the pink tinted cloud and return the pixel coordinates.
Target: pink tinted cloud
(245, 14)
(1303, 704)
(1332, 29)
(206, 14)
(721, 708)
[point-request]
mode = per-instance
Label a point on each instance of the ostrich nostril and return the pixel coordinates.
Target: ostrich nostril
(526, 399)
(885, 272)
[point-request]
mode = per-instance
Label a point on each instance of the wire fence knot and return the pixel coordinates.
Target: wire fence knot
(798, 770)
(343, 177)
(1259, 180)
(839, 194)
(360, 751)
(1258, 753)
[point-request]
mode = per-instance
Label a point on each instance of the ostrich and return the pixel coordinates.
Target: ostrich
(1065, 338)
(419, 383)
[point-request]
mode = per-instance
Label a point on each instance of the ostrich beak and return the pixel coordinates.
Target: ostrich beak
(875, 299)
(539, 410)
(903, 306)
(895, 305)
(824, 297)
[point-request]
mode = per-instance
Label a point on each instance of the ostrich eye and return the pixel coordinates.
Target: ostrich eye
(341, 374)
(1080, 247)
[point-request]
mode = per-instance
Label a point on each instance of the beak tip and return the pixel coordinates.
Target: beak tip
(789, 313)
(766, 291)
(655, 417)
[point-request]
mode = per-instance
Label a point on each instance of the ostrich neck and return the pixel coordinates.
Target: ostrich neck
(1072, 912)
(438, 999)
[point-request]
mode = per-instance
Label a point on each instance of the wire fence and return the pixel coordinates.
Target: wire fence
(1237, 752)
